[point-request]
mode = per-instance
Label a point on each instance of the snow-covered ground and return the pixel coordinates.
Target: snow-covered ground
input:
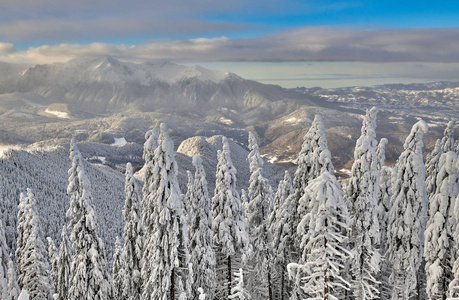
(119, 141)
(59, 114)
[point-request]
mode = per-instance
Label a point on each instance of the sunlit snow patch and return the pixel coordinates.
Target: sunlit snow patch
(59, 114)
(346, 171)
(119, 141)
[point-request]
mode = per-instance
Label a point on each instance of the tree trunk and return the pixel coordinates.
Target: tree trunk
(229, 277)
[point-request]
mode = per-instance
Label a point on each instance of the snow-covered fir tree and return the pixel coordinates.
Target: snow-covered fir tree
(385, 193)
(188, 197)
(53, 256)
(4, 263)
(166, 258)
(239, 292)
(228, 225)
(280, 232)
(13, 288)
(64, 263)
(31, 254)
(439, 243)
(324, 247)
(149, 187)
(89, 274)
(432, 161)
(387, 175)
(407, 217)
(118, 271)
(362, 197)
(258, 210)
(381, 153)
(447, 142)
(133, 239)
(314, 159)
(201, 238)
(148, 200)
(453, 289)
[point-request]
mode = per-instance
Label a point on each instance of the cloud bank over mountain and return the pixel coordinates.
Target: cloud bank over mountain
(439, 45)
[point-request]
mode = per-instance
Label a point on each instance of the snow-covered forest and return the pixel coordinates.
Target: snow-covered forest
(386, 232)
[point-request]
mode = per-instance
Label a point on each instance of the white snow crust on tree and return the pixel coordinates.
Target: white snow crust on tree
(31, 254)
(24, 295)
(118, 271)
(280, 232)
(201, 238)
(258, 211)
(447, 142)
(89, 276)
(407, 216)
(314, 159)
(166, 258)
(362, 199)
(64, 264)
(229, 225)
(432, 161)
(133, 236)
(324, 246)
(439, 243)
(239, 292)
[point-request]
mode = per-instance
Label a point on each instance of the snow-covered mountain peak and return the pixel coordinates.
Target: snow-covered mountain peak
(107, 69)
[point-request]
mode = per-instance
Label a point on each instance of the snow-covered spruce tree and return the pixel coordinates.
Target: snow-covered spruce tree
(385, 193)
(439, 243)
(149, 187)
(456, 147)
(258, 210)
(188, 197)
(32, 258)
(453, 290)
(4, 263)
(381, 153)
(314, 159)
(447, 142)
(362, 197)
(133, 239)
(407, 217)
(239, 292)
(387, 175)
(324, 244)
(64, 262)
(280, 232)
(166, 258)
(228, 225)
(432, 161)
(53, 256)
(200, 232)
(118, 271)
(89, 275)
(13, 288)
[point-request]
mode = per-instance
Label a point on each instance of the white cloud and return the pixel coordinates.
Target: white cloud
(6, 48)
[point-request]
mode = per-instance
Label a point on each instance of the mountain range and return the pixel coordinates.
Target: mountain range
(99, 99)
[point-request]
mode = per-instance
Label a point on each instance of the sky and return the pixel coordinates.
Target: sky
(291, 42)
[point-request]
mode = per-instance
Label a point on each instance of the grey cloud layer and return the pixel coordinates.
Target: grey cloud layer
(304, 44)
